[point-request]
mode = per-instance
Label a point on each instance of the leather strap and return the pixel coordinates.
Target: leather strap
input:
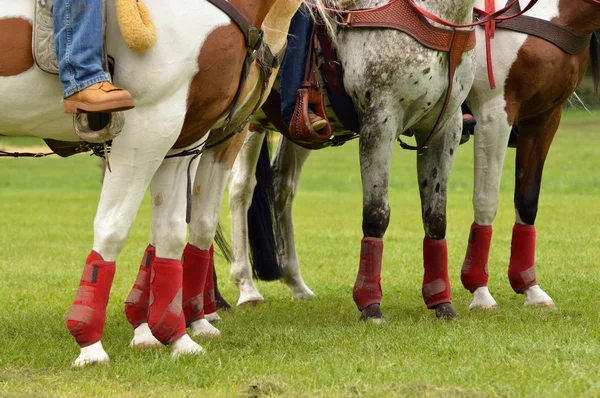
(252, 34)
(565, 39)
(403, 16)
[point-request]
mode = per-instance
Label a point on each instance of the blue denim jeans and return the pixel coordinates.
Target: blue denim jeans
(78, 39)
(293, 66)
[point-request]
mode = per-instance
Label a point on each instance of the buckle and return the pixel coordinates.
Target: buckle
(254, 38)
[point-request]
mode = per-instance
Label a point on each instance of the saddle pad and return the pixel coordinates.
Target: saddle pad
(44, 51)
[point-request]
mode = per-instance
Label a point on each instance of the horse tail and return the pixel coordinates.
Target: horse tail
(223, 244)
(595, 61)
(262, 224)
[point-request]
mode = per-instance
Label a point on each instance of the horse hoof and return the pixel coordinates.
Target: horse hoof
(250, 304)
(185, 346)
(143, 338)
(537, 298)
(202, 328)
(483, 300)
(303, 295)
(372, 313)
(445, 311)
(213, 317)
(91, 355)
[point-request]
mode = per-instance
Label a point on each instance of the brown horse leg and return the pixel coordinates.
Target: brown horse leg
(535, 138)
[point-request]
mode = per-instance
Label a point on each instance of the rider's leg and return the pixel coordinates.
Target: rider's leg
(294, 64)
(79, 47)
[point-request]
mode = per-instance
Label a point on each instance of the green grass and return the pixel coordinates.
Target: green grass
(317, 347)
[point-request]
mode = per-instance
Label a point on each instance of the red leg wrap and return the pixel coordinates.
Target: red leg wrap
(436, 285)
(87, 315)
(521, 269)
(367, 288)
(474, 273)
(195, 265)
(136, 305)
(165, 315)
(210, 305)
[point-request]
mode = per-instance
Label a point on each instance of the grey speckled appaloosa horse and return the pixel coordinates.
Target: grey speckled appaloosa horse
(396, 85)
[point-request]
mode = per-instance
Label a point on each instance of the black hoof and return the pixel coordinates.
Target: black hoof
(445, 311)
(371, 313)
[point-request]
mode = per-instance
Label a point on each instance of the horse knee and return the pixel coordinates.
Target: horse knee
(434, 223)
(376, 218)
(169, 236)
(241, 190)
(202, 229)
(110, 236)
(484, 209)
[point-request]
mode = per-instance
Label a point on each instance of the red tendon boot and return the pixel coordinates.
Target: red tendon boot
(87, 315)
(436, 285)
(195, 265)
(521, 269)
(474, 273)
(367, 288)
(210, 304)
(165, 315)
(136, 305)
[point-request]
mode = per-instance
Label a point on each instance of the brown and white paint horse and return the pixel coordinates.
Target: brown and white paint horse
(183, 87)
(534, 79)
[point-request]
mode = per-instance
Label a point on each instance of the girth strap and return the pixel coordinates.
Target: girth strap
(565, 39)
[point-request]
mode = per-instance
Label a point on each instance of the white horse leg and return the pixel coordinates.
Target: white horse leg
(241, 188)
(490, 142)
(134, 157)
(208, 189)
(287, 168)
(168, 233)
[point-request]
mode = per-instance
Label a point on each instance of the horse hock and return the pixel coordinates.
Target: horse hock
(474, 273)
(137, 302)
(87, 315)
(165, 315)
(521, 269)
(367, 288)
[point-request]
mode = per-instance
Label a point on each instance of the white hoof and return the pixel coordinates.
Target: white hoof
(143, 338)
(91, 355)
(185, 346)
(250, 299)
(213, 317)
(203, 328)
(299, 289)
(482, 299)
(536, 297)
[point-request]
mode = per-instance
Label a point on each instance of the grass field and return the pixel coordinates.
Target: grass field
(317, 347)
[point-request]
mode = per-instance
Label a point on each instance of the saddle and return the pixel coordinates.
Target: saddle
(401, 15)
(94, 128)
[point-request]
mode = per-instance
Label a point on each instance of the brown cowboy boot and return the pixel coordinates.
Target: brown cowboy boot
(316, 122)
(99, 97)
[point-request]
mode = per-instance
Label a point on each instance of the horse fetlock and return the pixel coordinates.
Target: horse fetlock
(536, 297)
(185, 346)
(436, 285)
(483, 300)
(367, 287)
(521, 268)
(91, 355)
(299, 289)
(249, 294)
(474, 272)
(143, 338)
